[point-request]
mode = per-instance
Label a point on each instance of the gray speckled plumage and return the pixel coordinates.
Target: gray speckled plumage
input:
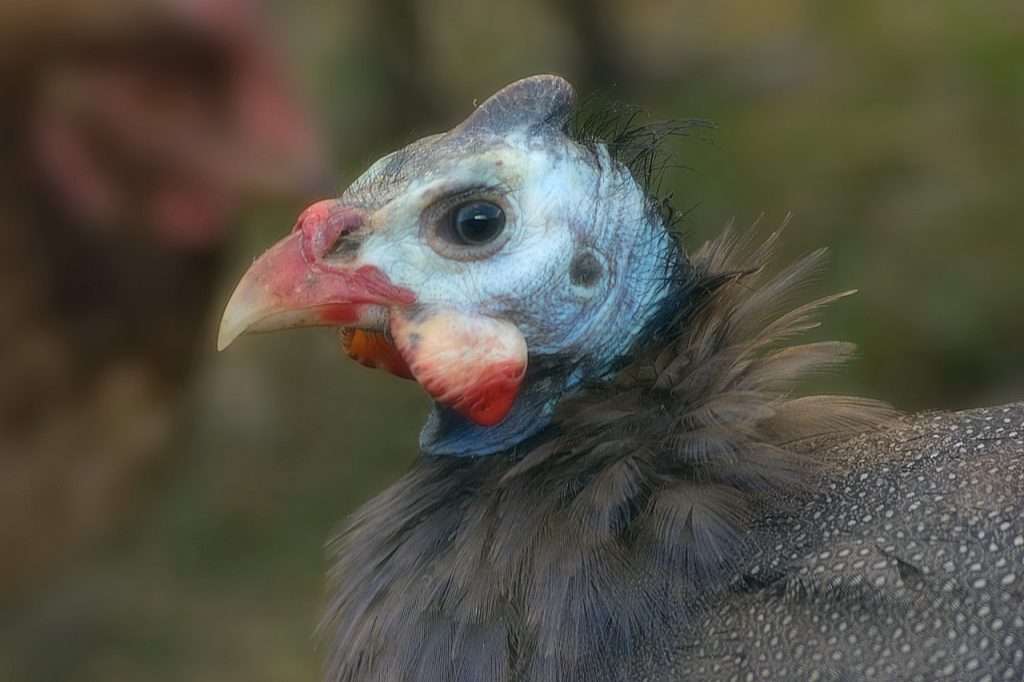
(907, 565)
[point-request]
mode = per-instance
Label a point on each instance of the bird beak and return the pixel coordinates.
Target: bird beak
(295, 284)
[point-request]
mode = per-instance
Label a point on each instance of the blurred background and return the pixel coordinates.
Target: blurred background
(163, 509)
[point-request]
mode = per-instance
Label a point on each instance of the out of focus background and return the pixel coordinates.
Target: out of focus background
(163, 509)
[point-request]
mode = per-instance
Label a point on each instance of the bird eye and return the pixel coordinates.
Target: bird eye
(475, 223)
(468, 229)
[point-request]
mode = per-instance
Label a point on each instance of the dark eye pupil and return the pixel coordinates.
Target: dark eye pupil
(477, 222)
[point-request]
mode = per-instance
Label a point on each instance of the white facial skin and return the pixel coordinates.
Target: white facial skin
(558, 201)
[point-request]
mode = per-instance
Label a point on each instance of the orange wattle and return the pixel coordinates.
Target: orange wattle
(372, 349)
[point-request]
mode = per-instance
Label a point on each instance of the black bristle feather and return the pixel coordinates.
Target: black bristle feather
(637, 143)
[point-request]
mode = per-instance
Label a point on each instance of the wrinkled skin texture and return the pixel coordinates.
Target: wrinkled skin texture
(560, 199)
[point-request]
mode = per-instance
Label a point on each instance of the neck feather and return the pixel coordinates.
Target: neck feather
(626, 513)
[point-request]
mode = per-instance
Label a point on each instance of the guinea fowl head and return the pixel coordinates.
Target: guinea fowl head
(502, 265)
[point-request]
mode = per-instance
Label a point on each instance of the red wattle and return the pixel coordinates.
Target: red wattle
(489, 398)
(472, 363)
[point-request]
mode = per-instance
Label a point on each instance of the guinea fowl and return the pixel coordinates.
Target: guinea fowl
(617, 479)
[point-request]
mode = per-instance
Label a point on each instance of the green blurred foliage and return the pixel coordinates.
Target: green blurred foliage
(893, 131)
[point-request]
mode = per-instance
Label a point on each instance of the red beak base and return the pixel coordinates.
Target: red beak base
(293, 284)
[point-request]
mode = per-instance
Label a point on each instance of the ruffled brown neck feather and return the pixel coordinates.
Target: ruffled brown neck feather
(621, 522)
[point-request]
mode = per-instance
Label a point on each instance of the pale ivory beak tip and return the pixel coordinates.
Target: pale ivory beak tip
(228, 332)
(235, 321)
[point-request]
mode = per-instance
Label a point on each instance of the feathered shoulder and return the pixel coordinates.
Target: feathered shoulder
(622, 520)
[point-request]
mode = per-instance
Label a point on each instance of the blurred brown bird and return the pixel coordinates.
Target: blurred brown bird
(136, 128)
(618, 480)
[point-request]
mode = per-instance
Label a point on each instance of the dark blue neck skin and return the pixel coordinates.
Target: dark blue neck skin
(450, 434)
